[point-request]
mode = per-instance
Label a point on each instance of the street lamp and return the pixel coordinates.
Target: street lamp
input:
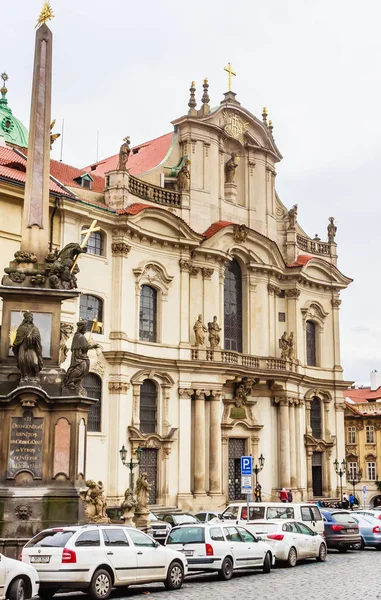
(130, 464)
(257, 469)
(340, 471)
(354, 477)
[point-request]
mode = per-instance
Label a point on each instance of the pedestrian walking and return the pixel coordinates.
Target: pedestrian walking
(283, 495)
(351, 501)
(345, 502)
(258, 492)
(289, 496)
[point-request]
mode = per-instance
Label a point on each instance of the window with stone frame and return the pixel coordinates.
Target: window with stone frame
(351, 434)
(90, 308)
(352, 470)
(93, 385)
(148, 407)
(148, 314)
(371, 471)
(233, 307)
(311, 343)
(369, 434)
(95, 243)
(315, 417)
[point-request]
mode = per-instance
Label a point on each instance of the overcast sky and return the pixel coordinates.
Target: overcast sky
(124, 68)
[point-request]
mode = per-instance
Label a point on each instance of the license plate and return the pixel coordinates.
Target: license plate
(188, 552)
(39, 559)
(351, 531)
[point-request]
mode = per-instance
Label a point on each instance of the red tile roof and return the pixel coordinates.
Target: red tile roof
(66, 175)
(215, 227)
(134, 209)
(302, 260)
(363, 394)
(149, 155)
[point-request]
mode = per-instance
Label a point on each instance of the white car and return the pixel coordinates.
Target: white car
(17, 581)
(292, 540)
(95, 558)
(221, 548)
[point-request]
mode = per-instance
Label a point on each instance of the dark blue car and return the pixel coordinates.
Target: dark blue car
(341, 530)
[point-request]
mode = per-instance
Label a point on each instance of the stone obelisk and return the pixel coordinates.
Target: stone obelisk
(35, 222)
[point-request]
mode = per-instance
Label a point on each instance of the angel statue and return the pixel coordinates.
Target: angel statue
(142, 493)
(128, 505)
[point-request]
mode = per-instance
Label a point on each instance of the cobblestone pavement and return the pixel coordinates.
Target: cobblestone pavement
(342, 576)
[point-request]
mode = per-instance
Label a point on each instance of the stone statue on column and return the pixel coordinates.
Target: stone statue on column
(142, 489)
(95, 502)
(199, 331)
(331, 229)
(124, 154)
(79, 364)
(292, 217)
(27, 348)
(214, 333)
(183, 178)
(129, 505)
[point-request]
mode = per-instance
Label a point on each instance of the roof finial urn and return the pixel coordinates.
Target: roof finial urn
(264, 115)
(3, 89)
(205, 108)
(192, 100)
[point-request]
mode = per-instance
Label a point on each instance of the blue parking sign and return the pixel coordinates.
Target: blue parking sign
(246, 465)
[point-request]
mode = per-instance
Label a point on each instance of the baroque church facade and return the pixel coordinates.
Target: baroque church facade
(216, 315)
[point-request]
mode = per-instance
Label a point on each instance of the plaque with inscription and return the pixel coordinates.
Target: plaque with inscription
(238, 413)
(25, 445)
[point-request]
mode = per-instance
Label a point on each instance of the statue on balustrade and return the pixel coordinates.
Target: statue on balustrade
(27, 348)
(199, 332)
(292, 217)
(79, 364)
(230, 168)
(124, 153)
(142, 490)
(214, 333)
(287, 346)
(95, 502)
(183, 178)
(331, 228)
(128, 505)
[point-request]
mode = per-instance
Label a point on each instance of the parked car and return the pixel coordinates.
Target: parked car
(258, 511)
(370, 531)
(341, 530)
(178, 518)
(206, 516)
(160, 529)
(221, 548)
(370, 512)
(292, 540)
(17, 581)
(95, 558)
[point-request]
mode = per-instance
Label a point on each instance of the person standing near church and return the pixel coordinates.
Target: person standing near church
(258, 492)
(283, 497)
(289, 496)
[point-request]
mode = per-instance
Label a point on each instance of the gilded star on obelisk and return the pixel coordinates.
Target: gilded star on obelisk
(46, 14)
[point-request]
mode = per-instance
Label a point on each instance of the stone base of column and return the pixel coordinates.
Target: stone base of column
(185, 501)
(230, 192)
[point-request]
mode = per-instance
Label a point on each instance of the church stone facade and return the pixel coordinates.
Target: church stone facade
(219, 315)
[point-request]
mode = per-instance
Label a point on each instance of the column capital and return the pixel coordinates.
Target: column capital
(186, 393)
(207, 272)
(120, 249)
(292, 293)
(118, 386)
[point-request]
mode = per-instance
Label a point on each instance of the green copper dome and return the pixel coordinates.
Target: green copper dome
(11, 129)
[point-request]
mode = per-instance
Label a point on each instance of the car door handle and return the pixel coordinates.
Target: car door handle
(109, 553)
(140, 552)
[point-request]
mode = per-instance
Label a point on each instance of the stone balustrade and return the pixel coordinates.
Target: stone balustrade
(153, 193)
(230, 357)
(313, 246)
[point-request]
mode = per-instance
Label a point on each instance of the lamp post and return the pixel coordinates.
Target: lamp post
(130, 464)
(354, 477)
(257, 469)
(340, 471)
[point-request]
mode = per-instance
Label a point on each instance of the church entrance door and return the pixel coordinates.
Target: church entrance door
(148, 464)
(236, 450)
(317, 474)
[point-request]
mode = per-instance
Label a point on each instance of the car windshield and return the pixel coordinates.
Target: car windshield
(52, 539)
(231, 512)
(343, 518)
(179, 519)
(153, 517)
(187, 535)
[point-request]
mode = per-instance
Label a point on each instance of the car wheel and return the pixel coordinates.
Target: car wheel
(321, 557)
(267, 563)
(175, 576)
(360, 545)
(378, 547)
(226, 571)
(292, 557)
(17, 590)
(101, 585)
(343, 550)
(47, 593)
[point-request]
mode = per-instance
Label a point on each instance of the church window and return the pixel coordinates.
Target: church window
(148, 314)
(316, 417)
(93, 385)
(95, 243)
(371, 471)
(85, 181)
(233, 307)
(352, 470)
(90, 308)
(148, 406)
(282, 317)
(311, 343)
(369, 432)
(351, 435)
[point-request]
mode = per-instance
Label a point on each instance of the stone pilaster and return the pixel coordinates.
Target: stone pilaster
(293, 455)
(215, 444)
(199, 442)
(284, 443)
(185, 499)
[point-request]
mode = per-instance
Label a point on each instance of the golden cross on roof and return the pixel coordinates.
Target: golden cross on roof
(46, 14)
(229, 70)
(87, 233)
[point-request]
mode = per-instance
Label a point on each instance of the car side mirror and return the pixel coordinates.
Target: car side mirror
(259, 539)
(156, 544)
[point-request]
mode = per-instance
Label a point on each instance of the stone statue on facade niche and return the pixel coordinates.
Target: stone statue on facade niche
(286, 344)
(66, 329)
(142, 489)
(214, 333)
(242, 391)
(60, 273)
(95, 502)
(331, 229)
(79, 364)
(124, 153)
(183, 178)
(292, 217)
(230, 168)
(128, 505)
(199, 332)
(27, 348)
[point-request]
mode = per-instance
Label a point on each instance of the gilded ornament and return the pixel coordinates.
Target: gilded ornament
(231, 73)
(235, 127)
(46, 14)
(240, 233)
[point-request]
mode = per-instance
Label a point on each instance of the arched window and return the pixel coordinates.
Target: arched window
(233, 307)
(316, 417)
(95, 243)
(90, 308)
(148, 406)
(311, 343)
(93, 385)
(148, 314)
